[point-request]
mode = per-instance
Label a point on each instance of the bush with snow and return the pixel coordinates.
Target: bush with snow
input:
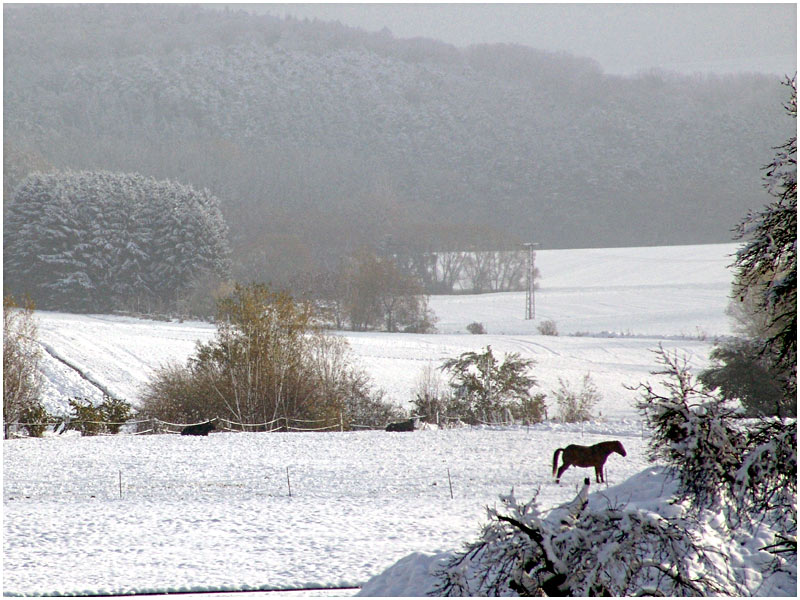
(476, 328)
(719, 458)
(583, 550)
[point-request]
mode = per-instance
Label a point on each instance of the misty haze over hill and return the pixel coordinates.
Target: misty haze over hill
(318, 138)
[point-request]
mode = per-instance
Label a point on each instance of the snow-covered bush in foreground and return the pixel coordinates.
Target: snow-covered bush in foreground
(744, 467)
(578, 550)
(631, 539)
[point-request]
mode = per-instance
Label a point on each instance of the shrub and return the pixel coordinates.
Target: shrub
(35, 418)
(178, 395)
(476, 328)
(740, 371)
(715, 455)
(268, 362)
(430, 395)
(115, 412)
(370, 410)
(85, 417)
(547, 327)
(483, 387)
(106, 417)
(21, 355)
(576, 405)
(692, 431)
(530, 410)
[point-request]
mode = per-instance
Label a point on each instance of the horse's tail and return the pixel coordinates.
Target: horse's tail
(555, 460)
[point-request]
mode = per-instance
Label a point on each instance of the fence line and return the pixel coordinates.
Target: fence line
(280, 424)
(280, 480)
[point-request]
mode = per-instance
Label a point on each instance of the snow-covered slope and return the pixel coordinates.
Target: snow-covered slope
(655, 291)
(654, 294)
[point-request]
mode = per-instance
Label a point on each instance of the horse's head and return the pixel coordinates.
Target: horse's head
(619, 448)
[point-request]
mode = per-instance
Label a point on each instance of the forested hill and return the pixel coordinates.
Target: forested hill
(317, 137)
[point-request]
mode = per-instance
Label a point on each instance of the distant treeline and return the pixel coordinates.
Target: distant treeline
(319, 139)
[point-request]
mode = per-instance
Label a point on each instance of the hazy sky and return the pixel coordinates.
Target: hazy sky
(623, 38)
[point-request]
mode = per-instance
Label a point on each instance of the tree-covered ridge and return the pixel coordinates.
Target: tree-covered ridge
(100, 240)
(319, 136)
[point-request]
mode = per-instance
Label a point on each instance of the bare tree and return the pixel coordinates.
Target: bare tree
(507, 270)
(377, 292)
(21, 355)
(478, 268)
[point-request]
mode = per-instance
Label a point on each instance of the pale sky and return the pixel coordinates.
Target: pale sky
(623, 38)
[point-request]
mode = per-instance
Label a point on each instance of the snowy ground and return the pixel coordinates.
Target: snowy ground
(166, 513)
(215, 513)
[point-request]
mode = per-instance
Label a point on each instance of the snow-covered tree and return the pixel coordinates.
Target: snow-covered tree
(745, 468)
(692, 431)
(575, 550)
(99, 240)
(766, 264)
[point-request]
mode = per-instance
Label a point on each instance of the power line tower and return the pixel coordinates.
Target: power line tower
(530, 306)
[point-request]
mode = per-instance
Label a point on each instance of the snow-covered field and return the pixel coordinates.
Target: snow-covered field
(169, 513)
(675, 294)
(216, 514)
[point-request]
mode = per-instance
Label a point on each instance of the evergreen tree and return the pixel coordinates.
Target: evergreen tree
(99, 240)
(767, 262)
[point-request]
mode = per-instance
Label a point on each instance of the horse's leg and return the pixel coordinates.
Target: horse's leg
(563, 468)
(598, 473)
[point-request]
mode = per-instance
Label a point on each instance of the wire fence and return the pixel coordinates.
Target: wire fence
(279, 424)
(274, 479)
(159, 426)
(341, 423)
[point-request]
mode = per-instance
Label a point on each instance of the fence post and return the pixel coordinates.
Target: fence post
(288, 482)
(450, 482)
(341, 421)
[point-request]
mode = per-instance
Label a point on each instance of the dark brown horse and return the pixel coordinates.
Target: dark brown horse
(587, 456)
